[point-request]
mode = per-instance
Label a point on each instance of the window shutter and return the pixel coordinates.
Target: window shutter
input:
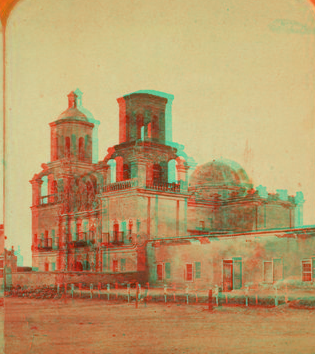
(168, 270)
(123, 264)
(197, 270)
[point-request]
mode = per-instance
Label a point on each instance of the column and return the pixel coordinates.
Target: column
(36, 191)
(182, 173)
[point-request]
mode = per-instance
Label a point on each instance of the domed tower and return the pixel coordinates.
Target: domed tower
(71, 134)
(222, 177)
(222, 197)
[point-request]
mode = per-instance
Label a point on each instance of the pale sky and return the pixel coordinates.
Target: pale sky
(242, 74)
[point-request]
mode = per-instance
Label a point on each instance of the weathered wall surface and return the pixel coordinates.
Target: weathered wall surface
(254, 251)
(52, 278)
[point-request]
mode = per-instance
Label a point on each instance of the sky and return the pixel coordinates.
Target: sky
(241, 72)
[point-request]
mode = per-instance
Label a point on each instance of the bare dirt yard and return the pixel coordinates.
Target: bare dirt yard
(97, 326)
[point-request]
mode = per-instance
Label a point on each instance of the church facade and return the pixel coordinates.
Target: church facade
(137, 211)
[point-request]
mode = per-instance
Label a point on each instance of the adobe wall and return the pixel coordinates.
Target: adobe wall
(51, 278)
(211, 252)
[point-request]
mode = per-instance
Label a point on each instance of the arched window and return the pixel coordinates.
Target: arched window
(67, 147)
(112, 164)
(126, 173)
(73, 145)
(140, 127)
(156, 173)
(81, 149)
(172, 171)
(44, 190)
(142, 132)
(88, 147)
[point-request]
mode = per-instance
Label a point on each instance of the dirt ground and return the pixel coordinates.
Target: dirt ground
(97, 326)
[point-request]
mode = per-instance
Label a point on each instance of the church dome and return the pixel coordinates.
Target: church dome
(73, 113)
(221, 173)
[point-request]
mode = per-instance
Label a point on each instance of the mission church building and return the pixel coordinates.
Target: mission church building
(137, 212)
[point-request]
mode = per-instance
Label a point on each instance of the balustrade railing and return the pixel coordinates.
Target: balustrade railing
(115, 237)
(130, 183)
(49, 199)
(45, 243)
(164, 186)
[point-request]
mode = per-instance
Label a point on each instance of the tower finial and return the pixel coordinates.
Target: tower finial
(72, 99)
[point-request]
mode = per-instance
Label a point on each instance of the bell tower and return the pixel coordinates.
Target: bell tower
(143, 116)
(71, 134)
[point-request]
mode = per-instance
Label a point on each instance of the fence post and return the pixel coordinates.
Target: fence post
(276, 296)
(139, 285)
(99, 290)
(91, 290)
(128, 292)
(165, 293)
(146, 295)
(72, 290)
(66, 285)
(210, 305)
(217, 295)
(108, 289)
(187, 294)
(58, 285)
(137, 293)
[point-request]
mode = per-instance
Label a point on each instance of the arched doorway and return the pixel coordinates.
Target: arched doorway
(78, 266)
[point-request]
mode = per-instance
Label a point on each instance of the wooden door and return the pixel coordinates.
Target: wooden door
(227, 275)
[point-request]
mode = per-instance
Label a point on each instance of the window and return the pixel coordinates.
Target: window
(273, 270)
(163, 271)
(142, 133)
(81, 149)
(46, 266)
(197, 270)
(167, 270)
(67, 147)
(123, 264)
(189, 272)
(159, 272)
(53, 266)
(306, 270)
(115, 265)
